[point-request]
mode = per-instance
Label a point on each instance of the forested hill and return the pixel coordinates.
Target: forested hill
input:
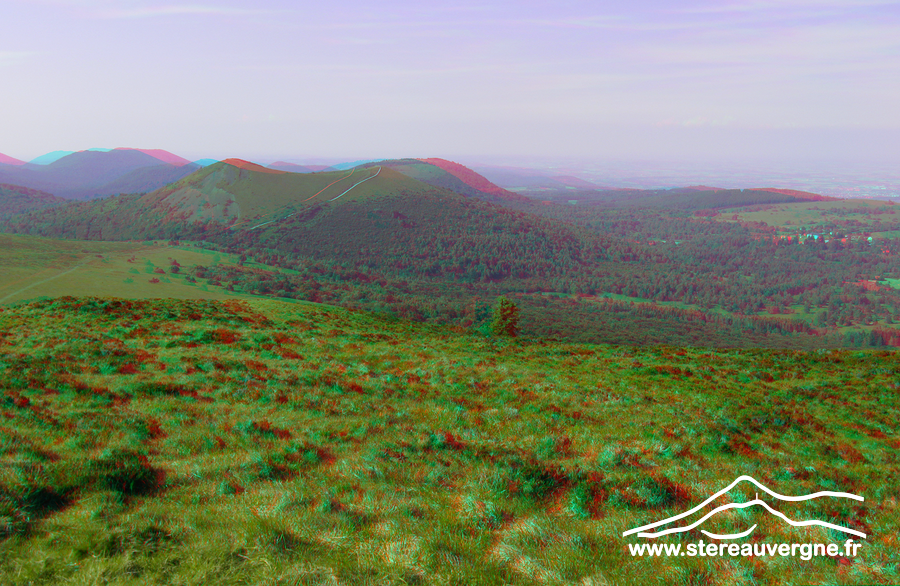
(387, 222)
(89, 174)
(16, 199)
(453, 176)
(376, 239)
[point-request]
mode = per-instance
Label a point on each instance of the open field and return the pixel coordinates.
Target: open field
(41, 267)
(853, 215)
(187, 442)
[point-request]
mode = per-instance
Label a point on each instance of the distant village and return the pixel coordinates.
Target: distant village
(844, 239)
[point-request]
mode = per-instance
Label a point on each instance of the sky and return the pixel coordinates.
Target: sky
(692, 80)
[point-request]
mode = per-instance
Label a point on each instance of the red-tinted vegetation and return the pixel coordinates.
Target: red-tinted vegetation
(473, 179)
(247, 165)
(15, 199)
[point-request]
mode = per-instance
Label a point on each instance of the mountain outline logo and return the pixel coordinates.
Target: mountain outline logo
(644, 530)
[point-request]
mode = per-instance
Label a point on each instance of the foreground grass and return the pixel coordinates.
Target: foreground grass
(226, 442)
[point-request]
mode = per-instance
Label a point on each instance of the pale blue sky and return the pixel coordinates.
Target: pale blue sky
(621, 79)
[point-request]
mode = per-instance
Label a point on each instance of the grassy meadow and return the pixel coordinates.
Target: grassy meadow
(188, 441)
(855, 215)
(43, 267)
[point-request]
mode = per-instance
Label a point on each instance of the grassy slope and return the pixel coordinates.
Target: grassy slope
(474, 180)
(37, 267)
(797, 216)
(225, 442)
(432, 175)
(15, 199)
(263, 196)
(220, 193)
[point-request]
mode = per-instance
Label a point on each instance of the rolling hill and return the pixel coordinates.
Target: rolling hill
(375, 207)
(453, 176)
(7, 160)
(292, 167)
(375, 238)
(90, 174)
(159, 154)
(473, 179)
(373, 222)
(162, 424)
(531, 179)
(48, 158)
(142, 180)
(243, 194)
(15, 199)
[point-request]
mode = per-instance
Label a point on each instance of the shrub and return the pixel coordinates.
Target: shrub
(506, 318)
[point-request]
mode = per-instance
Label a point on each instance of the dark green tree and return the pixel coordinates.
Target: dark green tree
(506, 318)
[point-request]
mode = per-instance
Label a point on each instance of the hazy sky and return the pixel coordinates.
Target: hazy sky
(686, 79)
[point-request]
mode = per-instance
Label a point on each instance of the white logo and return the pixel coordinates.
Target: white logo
(644, 531)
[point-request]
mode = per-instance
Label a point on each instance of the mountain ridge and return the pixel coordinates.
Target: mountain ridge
(7, 160)
(16, 199)
(93, 173)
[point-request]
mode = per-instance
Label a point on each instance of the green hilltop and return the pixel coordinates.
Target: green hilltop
(235, 190)
(231, 192)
